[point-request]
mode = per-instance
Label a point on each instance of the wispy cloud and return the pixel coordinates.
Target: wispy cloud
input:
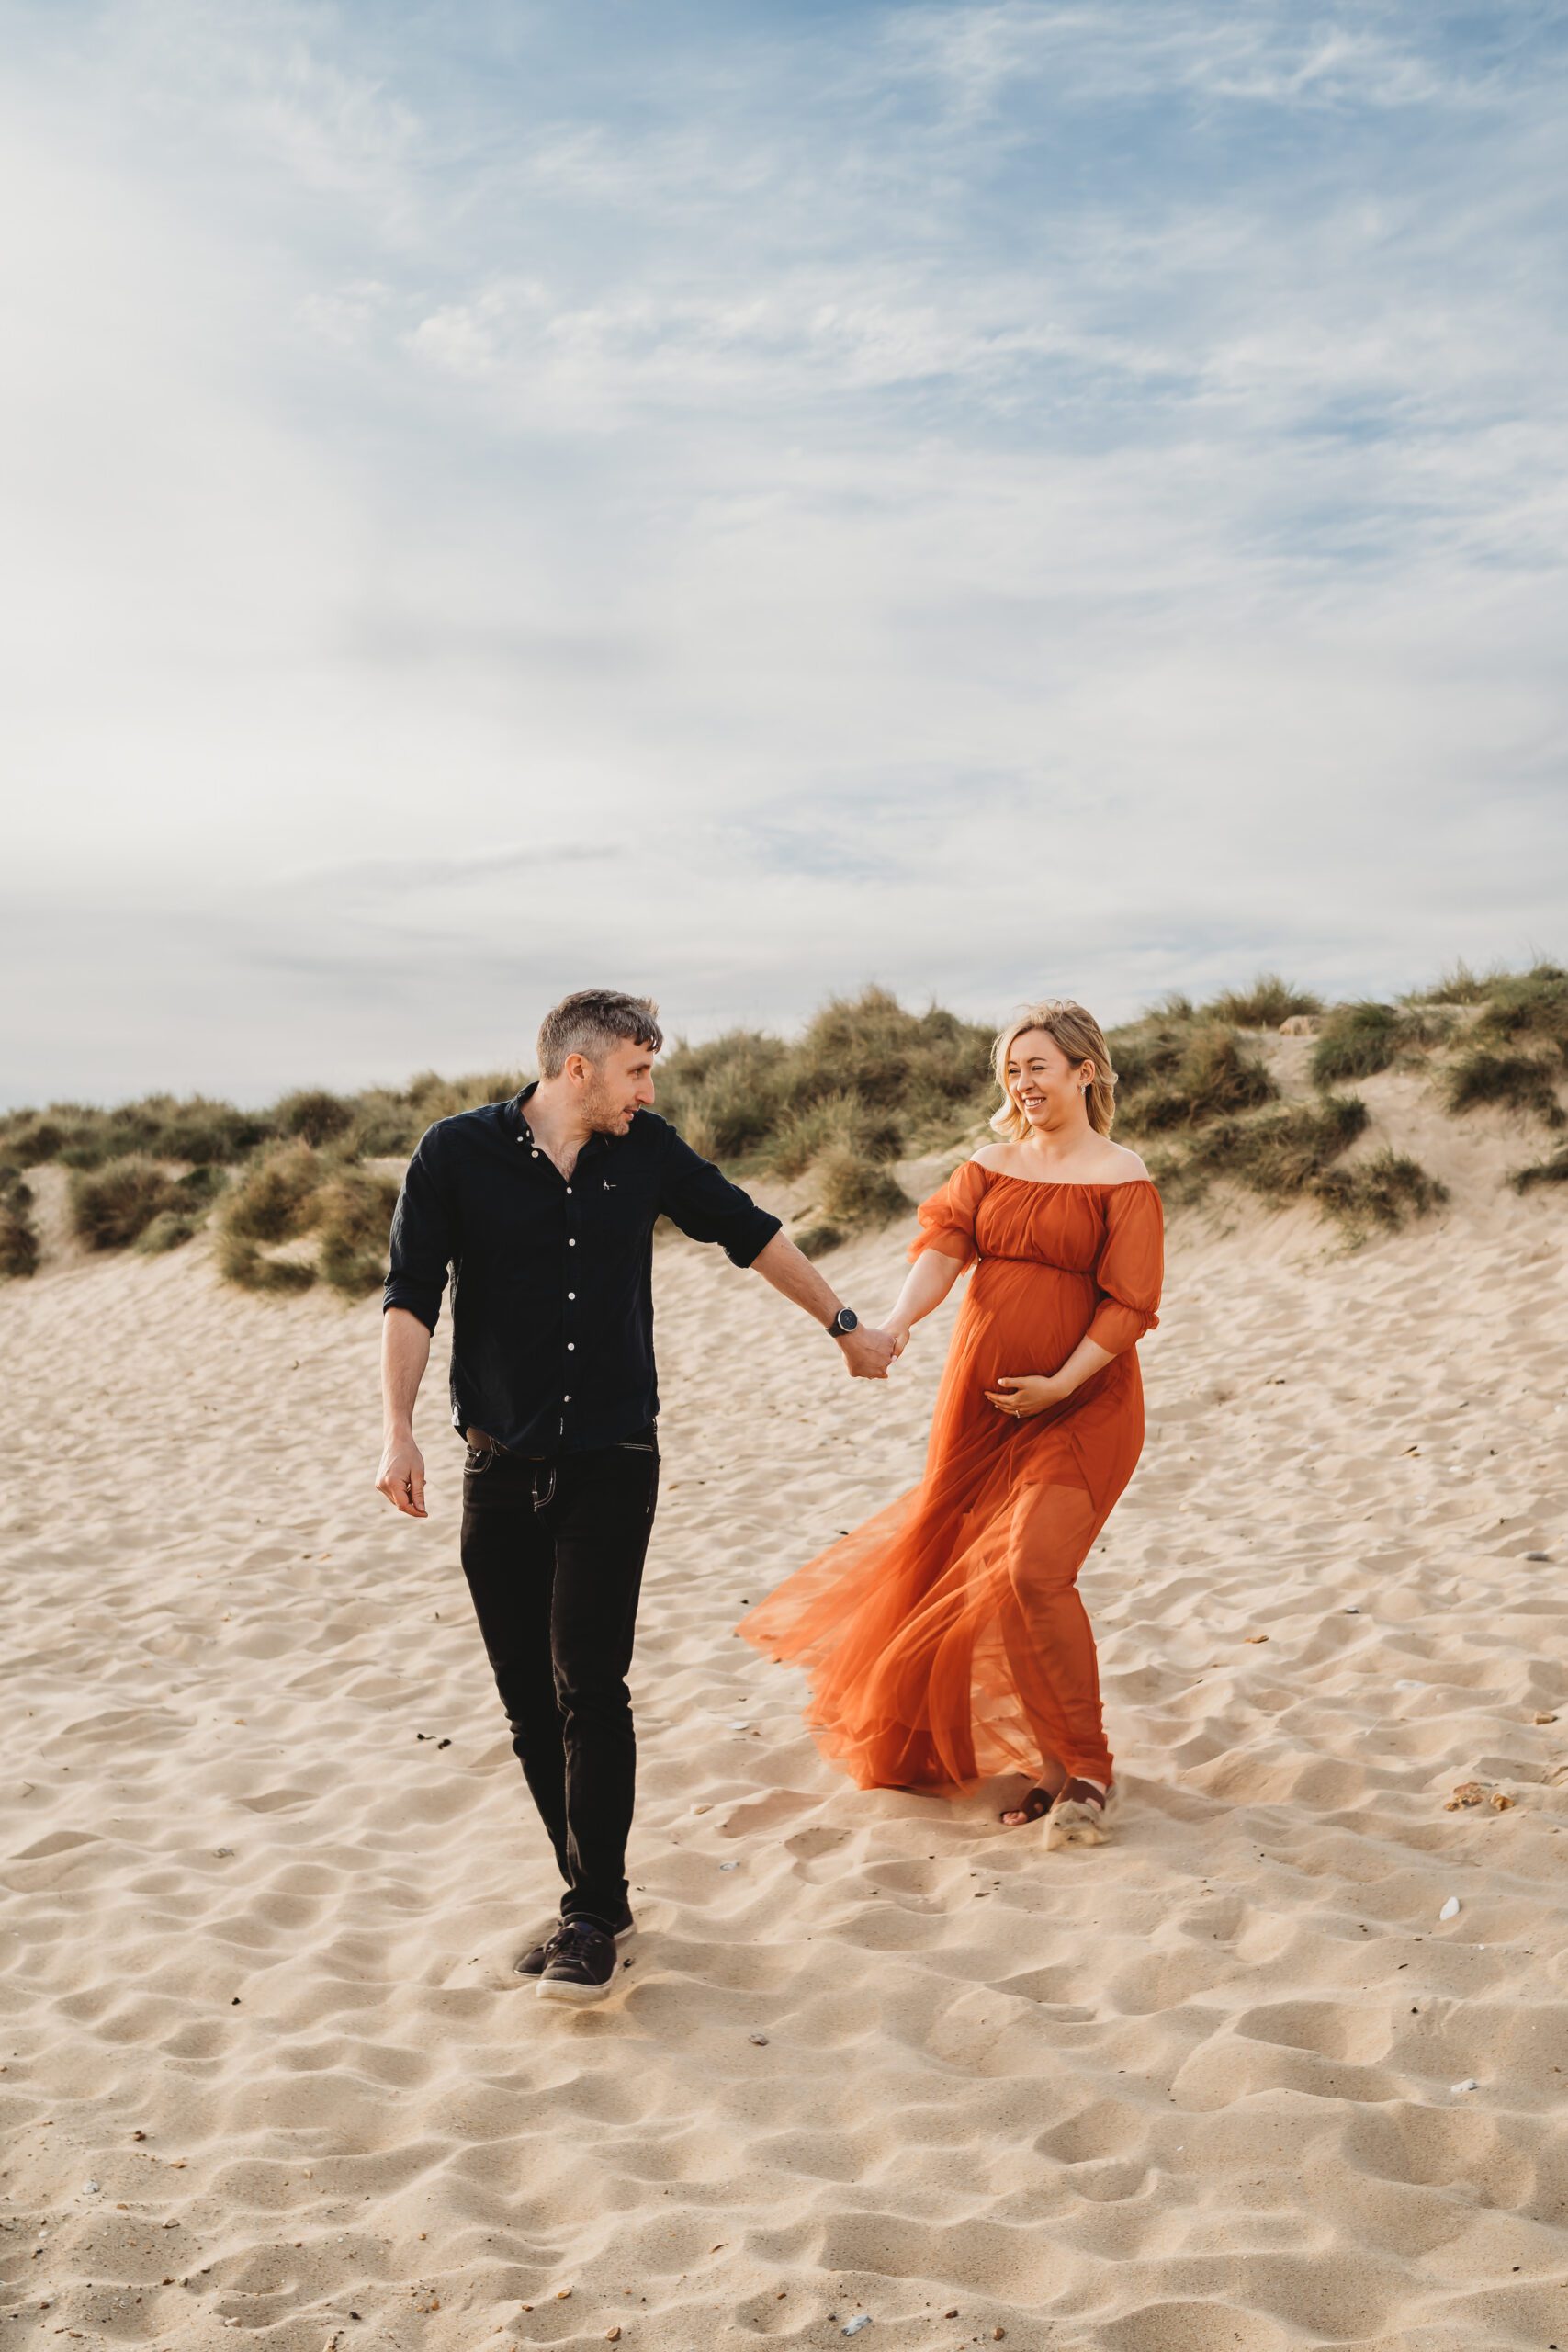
(992, 496)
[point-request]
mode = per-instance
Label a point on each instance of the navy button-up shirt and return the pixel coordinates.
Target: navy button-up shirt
(552, 1294)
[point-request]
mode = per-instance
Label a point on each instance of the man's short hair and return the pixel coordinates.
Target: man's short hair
(592, 1022)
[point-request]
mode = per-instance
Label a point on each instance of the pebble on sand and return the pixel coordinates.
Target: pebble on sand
(1451, 1908)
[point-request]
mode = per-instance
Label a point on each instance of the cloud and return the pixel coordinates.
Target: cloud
(983, 496)
(377, 878)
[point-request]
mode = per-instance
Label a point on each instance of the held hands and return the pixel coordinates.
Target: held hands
(401, 1476)
(1022, 1398)
(867, 1352)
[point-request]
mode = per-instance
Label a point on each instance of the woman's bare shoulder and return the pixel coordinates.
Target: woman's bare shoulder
(992, 1155)
(1118, 1165)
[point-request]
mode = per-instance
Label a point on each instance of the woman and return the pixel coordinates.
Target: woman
(947, 1634)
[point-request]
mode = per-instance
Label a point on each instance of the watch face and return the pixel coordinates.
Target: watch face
(845, 1320)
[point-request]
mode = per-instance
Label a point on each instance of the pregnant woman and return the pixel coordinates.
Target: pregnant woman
(946, 1635)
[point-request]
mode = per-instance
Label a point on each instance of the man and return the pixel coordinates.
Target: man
(544, 1209)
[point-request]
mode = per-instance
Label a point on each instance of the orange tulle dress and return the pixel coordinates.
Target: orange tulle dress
(945, 1636)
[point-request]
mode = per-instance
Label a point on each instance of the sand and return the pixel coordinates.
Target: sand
(267, 2075)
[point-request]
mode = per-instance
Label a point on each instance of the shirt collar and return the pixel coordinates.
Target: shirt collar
(517, 1119)
(516, 1116)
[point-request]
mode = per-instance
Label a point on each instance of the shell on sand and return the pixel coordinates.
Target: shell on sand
(1191, 2087)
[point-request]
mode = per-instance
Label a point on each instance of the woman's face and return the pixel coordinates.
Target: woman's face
(1041, 1079)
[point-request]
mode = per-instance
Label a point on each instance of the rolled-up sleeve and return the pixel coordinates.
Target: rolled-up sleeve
(423, 1236)
(702, 1201)
(1131, 1268)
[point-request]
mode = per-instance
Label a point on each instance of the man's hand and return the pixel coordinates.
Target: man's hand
(402, 1478)
(867, 1352)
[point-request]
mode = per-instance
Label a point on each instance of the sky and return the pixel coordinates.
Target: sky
(737, 501)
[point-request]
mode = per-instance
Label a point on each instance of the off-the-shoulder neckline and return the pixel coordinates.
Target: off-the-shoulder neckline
(1064, 1184)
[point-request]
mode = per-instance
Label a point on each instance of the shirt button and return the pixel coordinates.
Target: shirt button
(533, 1155)
(571, 1242)
(565, 1400)
(571, 1347)
(572, 1293)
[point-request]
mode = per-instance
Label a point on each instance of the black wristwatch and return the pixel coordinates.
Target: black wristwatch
(843, 1323)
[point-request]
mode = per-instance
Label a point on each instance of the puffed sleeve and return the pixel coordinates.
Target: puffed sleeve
(947, 1218)
(1131, 1264)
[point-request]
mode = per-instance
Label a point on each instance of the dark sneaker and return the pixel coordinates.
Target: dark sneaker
(534, 1962)
(582, 1966)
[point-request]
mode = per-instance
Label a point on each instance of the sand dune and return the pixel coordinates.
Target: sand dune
(268, 2075)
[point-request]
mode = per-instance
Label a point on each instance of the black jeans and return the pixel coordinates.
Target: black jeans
(552, 1553)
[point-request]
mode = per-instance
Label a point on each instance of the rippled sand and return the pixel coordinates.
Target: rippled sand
(268, 2075)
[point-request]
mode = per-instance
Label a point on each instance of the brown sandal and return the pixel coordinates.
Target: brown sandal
(1034, 1805)
(1082, 1815)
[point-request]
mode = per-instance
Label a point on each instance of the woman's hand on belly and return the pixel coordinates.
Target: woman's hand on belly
(1029, 1393)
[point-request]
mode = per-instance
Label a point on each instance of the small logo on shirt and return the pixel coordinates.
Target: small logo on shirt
(608, 1186)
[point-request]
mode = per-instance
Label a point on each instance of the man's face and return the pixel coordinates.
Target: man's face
(616, 1088)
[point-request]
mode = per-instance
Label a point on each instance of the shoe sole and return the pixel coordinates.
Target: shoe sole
(574, 1996)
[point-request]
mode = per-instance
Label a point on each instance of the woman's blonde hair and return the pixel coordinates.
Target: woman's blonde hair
(1081, 1038)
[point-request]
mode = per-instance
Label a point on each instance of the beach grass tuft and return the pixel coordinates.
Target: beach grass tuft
(18, 1233)
(1211, 1076)
(355, 1219)
(1516, 1081)
(853, 1191)
(1382, 1190)
(1554, 1170)
(1264, 1005)
(113, 1206)
(1358, 1039)
(312, 1116)
(1458, 984)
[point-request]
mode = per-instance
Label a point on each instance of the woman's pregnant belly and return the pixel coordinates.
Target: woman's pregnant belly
(1024, 1316)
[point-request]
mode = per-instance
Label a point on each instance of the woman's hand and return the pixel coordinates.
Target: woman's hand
(898, 1333)
(1029, 1393)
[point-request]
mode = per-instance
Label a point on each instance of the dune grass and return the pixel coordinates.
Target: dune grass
(1528, 1004)
(1264, 1005)
(1382, 1190)
(299, 1189)
(1458, 984)
(1543, 1172)
(378, 1122)
(1513, 1081)
(354, 1220)
(866, 1073)
(113, 1206)
(1281, 1153)
(1186, 1076)
(1358, 1039)
(18, 1234)
(867, 1083)
(192, 1198)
